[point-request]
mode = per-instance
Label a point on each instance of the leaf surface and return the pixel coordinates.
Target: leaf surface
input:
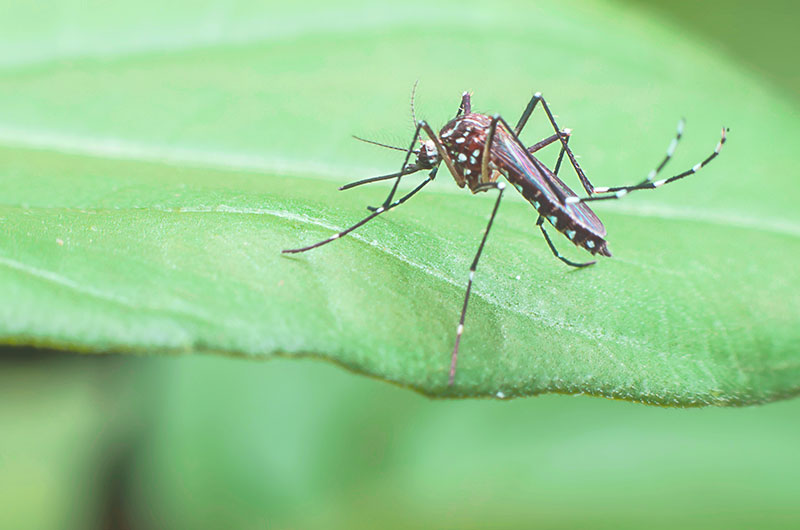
(150, 179)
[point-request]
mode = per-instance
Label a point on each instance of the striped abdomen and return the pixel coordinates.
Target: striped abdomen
(576, 221)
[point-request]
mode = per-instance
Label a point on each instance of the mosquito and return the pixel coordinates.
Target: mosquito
(477, 149)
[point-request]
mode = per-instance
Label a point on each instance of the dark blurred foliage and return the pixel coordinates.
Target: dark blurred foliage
(761, 35)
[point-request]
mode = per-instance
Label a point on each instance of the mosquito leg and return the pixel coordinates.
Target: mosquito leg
(526, 114)
(537, 97)
(547, 141)
(403, 167)
(653, 173)
(443, 155)
(581, 175)
(561, 155)
(523, 120)
(431, 176)
(536, 163)
(364, 221)
(411, 169)
(487, 148)
(540, 224)
(532, 149)
(556, 253)
(464, 108)
(499, 186)
(619, 192)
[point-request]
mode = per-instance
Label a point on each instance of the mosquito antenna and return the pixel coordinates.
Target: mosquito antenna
(413, 94)
(373, 142)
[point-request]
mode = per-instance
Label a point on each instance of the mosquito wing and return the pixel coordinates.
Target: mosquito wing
(533, 179)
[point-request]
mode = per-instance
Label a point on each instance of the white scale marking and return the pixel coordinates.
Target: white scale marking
(476, 152)
(461, 140)
(572, 200)
(697, 167)
(462, 157)
(460, 329)
(671, 149)
(602, 189)
(570, 234)
(659, 183)
(590, 243)
(379, 210)
(621, 193)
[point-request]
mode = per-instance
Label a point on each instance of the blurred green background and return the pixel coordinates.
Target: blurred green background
(209, 442)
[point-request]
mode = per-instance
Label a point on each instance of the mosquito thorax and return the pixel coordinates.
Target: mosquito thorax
(463, 139)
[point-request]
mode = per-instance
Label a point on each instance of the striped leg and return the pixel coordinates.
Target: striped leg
(547, 141)
(537, 97)
(560, 135)
(367, 219)
(667, 157)
(431, 176)
(499, 186)
(648, 183)
(654, 172)
(556, 253)
(402, 167)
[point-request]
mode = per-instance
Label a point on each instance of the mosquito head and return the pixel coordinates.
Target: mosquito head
(427, 156)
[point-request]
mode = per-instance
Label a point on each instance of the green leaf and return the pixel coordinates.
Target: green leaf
(154, 167)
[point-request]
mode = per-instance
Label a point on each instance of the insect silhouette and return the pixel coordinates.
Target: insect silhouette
(478, 148)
